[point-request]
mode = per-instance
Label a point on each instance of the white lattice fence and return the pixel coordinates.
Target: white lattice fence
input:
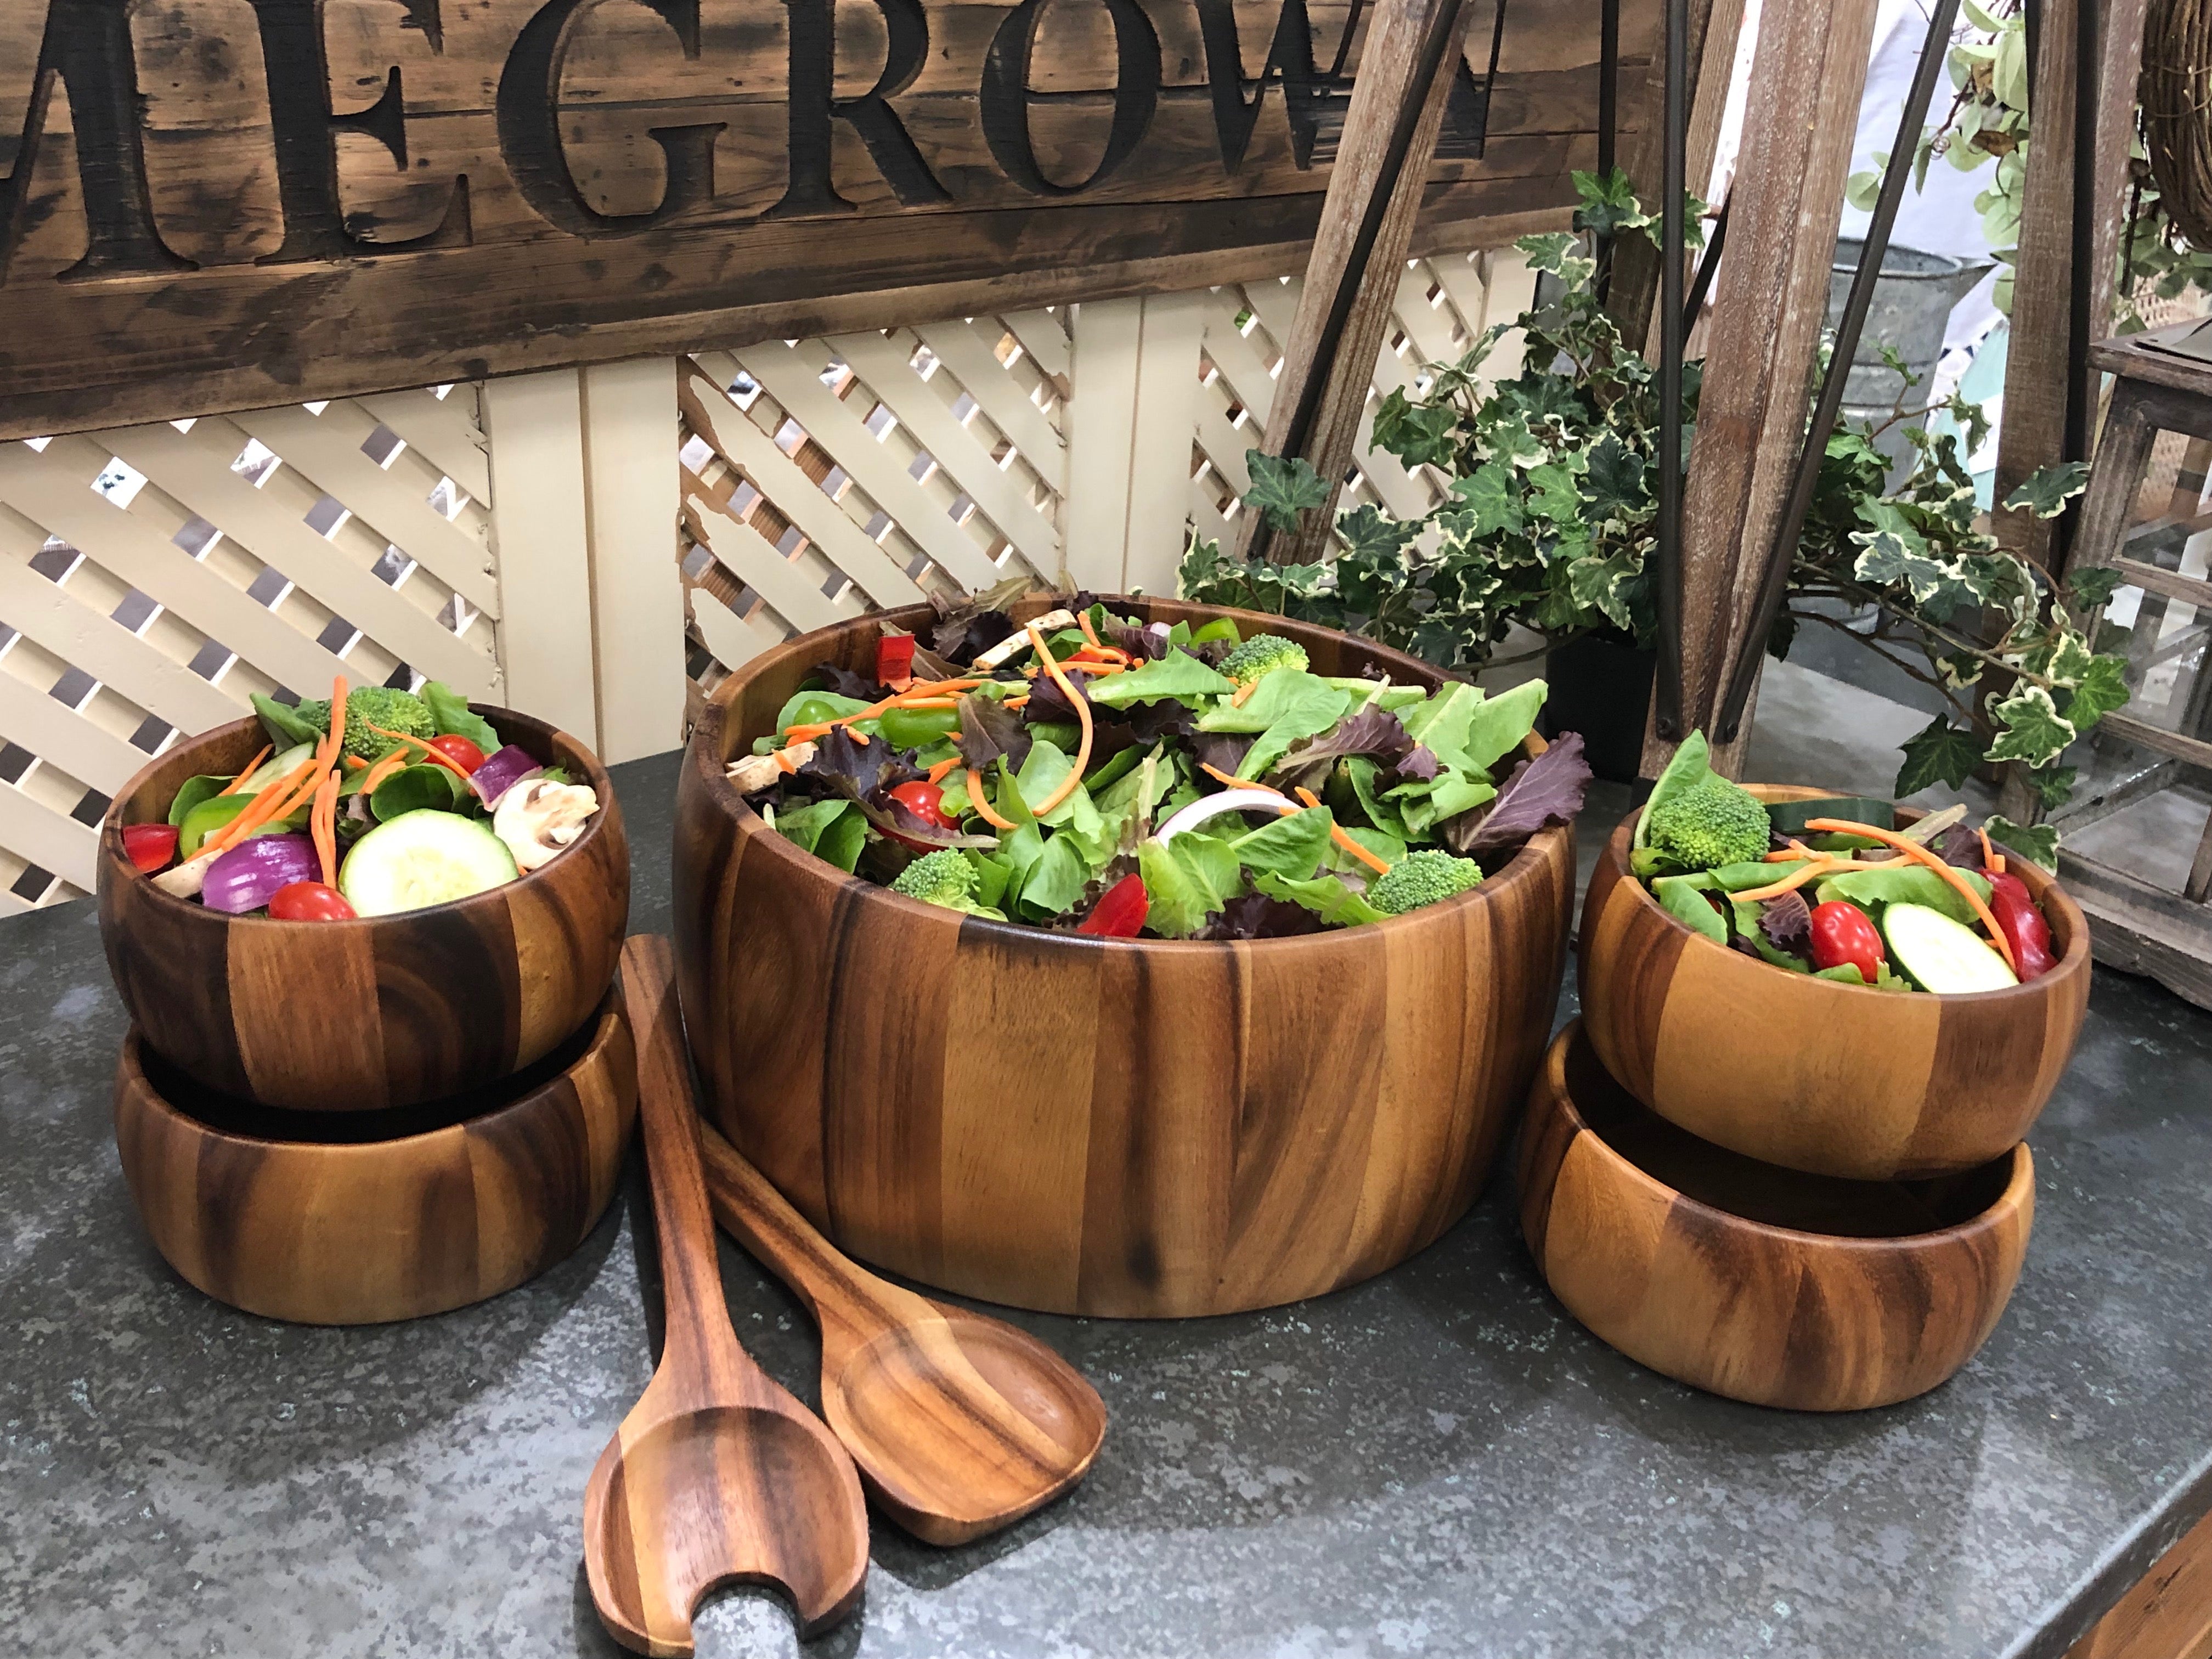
(152, 578)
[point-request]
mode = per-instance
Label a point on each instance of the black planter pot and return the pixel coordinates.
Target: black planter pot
(1601, 688)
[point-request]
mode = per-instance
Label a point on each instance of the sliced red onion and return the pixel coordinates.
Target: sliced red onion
(501, 772)
(243, 878)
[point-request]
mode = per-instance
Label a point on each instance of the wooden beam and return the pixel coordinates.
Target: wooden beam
(1770, 306)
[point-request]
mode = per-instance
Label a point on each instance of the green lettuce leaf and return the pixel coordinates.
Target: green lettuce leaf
(450, 713)
(1690, 765)
(1325, 895)
(1291, 846)
(1498, 726)
(1178, 675)
(1905, 884)
(1187, 880)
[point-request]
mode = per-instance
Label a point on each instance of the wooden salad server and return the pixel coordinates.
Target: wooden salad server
(717, 1475)
(960, 1425)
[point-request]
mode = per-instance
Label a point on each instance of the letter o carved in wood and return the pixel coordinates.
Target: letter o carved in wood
(1006, 96)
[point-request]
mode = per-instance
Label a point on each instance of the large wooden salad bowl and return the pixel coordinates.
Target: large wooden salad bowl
(378, 1013)
(1762, 1284)
(1104, 1127)
(396, 1221)
(1835, 1080)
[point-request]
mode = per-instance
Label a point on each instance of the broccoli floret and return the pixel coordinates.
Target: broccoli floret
(373, 705)
(1420, 879)
(945, 878)
(1710, 823)
(1263, 653)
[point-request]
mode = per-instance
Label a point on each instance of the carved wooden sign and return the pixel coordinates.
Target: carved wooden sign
(211, 204)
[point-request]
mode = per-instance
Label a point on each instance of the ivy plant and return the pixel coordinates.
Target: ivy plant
(1548, 522)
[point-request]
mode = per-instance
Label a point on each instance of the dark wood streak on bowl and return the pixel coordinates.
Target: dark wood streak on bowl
(1147, 1128)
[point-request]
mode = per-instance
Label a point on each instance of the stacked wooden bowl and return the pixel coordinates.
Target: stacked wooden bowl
(1781, 1189)
(344, 1122)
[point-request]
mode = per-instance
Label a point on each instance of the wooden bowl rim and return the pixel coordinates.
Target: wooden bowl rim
(2043, 887)
(609, 1020)
(119, 867)
(1554, 1095)
(1522, 869)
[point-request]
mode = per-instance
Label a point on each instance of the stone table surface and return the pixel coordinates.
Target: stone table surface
(1438, 1462)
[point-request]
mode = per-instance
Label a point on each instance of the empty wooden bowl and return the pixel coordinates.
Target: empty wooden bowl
(1108, 1127)
(1834, 1079)
(379, 1012)
(412, 1220)
(1763, 1284)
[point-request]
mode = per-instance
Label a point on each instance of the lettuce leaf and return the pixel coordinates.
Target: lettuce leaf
(1375, 733)
(988, 731)
(1288, 698)
(1291, 846)
(1547, 790)
(1254, 915)
(1905, 884)
(1690, 765)
(451, 715)
(1497, 726)
(1187, 880)
(1178, 675)
(1327, 897)
(1056, 881)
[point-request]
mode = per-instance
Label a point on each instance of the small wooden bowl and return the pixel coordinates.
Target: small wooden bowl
(1137, 1128)
(1833, 1079)
(1764, 1285)
(383, 1012)
(412, 1220)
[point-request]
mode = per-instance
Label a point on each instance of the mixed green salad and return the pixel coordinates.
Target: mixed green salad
(375, 802)
(1094, 773)
(1835, 888)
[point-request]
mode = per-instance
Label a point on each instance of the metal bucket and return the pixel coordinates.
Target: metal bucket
(1912, 301)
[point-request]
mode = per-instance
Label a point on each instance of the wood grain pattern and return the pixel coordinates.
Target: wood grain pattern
(959, 1424)
(1132, 1128)
(717, 1476)
(1759, 1282)
(357, 1232)
(1833, 1079)
(2167, 1613)
(229, 206)
(379, 1012)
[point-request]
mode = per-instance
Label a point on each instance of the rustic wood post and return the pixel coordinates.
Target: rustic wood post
(1367, 225)
(1770, 304)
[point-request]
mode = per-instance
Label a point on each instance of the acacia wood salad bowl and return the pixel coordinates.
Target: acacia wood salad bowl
(1763, 1284)
(1134, 1128)
(379, 1011)
(396, 1215)
(1834, 1079)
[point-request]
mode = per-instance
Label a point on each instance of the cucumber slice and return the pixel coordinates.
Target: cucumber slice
(1940, 954)
(269, 770)
(423, 857)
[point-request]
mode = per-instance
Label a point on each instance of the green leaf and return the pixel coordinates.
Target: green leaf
(1178, 675)
(1415, 432)
(2054, 784)
(1555, 494)
(2030, 728)
(1691, 766)
(1614, 482)
(2038, 843)
(1554, 253)
(413, 787)
(2091, 587)
(2101, 688)
(1382, 814)
(1056, 881)
(1327, 897)
(1187, 880)
(1291, 846)
(1940, 753)
(2049, 488)
(1904, 883)
(1608, 204)
(1497, 726)
(450, 713)
(1288, 697)
(1683, 898)
(1492, 493)
(806, 826)
(1283, 489)
(285, 728)
(1601, 585)
(1371, 535)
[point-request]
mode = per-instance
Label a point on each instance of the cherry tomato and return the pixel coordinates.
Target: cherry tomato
(2023, 925)
(459, 750)
(1120, 912)
(925, 800)
(150, 846)
(309, 901)
(1842, 932)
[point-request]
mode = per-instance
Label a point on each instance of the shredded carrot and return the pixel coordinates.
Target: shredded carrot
(322, 825)
(1992, 861)
(1820, 866)
(928, 703)
(784, 763)
(1919, 854)
(231, 788)
(279, 800)
(981, 803)
(355, 762)
(335, 738)
(1231, 782)
(1797, 850)
(1338, 834)
(943, 768)
(1021, 702)
(1242, 692)
(906, 699)
(383, 769)
(1082, 719)
(435, 757)
(1090, 634)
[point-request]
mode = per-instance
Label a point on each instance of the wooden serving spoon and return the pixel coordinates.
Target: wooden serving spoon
(961, 1425)
(717, 1475)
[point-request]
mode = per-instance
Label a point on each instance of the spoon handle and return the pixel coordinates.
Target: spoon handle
(766, 1223)
(698, 1329)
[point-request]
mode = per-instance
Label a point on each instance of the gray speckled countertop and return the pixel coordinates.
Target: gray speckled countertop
(1438, 1462)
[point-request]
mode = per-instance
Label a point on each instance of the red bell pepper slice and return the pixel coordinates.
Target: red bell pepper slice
(1120, 913)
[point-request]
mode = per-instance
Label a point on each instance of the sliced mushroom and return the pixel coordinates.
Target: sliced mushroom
(186, 880)
(537, 818)
(1018, 641)
(758, 771)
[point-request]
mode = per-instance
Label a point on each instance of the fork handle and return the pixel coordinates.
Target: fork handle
(698, 1328)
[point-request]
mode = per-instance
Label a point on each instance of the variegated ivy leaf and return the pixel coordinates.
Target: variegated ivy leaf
(1554, 494)
(1886, 556)
(1608, 204)
(2049, 488)
(1509, 440)
(2091, 587)
(1493, 493)
(1601, 585)
(1367, 534)
(1614, 481)
(2001, 580)
(2038, 843)
(2030, 728)
(1958, 668)
(1555, 254)
(2100, 688)
(1283, 489)
(2053, 784)
(2068, 660)
(1415, 432)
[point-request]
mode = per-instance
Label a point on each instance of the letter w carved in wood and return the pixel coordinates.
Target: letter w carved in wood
(1290, 57)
